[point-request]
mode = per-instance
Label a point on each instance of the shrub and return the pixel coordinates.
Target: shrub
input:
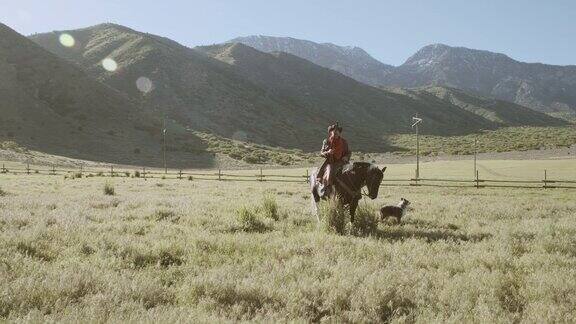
(2, 193)
(190, 178)
(109, 189)
(100, 174)
(127, 174)
(250, 159)
(334, 216)
(77, 175)
(270, 208)
(249, 221)
(136, 174)
(365, 221)
(165, 214)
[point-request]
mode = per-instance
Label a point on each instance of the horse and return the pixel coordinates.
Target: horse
(349, 184)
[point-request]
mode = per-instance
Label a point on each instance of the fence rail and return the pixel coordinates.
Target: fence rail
(260, 176)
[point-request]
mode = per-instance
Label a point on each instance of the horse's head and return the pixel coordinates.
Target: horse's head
(374, 178)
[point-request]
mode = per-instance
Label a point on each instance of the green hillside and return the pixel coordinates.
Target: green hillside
(50, 105)
(233, 91)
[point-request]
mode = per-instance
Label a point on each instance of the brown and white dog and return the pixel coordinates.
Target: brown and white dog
(397, 211)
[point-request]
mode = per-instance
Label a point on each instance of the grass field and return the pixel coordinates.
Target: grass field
(501, 140)
(179, 250)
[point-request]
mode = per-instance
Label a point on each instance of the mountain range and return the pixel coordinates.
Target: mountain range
(276, 99)
(51, 105)
(351, 61)
(67, 100)
(542, 87)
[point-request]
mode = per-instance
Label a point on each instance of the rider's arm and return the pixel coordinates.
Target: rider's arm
(325, 151)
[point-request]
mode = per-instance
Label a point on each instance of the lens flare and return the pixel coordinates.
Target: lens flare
(67, 40)
(109, 64)
(144, 84)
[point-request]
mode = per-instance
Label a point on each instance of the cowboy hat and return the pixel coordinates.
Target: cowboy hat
(335, 126)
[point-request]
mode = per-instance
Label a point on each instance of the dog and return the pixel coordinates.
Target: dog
(395, 211)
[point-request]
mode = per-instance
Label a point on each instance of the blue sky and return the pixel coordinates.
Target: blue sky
(391, 31)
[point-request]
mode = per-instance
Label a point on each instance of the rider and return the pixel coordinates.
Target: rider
(336, 152)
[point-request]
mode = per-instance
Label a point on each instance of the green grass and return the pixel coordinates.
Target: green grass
(254, 153)
(109, 189)
(501, 140)
(190, 251)
(270, 207)
(333, 216)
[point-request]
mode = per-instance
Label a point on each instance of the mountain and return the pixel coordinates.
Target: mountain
(498, 111)
(350, 61)
(545, 88)
(235, 91)
(383, 110)
(200, 92)
(50, 105)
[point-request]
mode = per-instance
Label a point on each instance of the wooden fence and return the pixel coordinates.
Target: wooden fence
(260, 175)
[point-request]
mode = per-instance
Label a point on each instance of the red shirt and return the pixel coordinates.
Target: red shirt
(337, 145)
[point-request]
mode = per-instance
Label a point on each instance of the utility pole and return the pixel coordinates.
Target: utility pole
(415, 125)
(164, 143)
(475, 153)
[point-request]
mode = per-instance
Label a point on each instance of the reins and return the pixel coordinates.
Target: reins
(353, 192)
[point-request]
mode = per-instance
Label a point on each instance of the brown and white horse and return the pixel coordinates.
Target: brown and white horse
(349, 184)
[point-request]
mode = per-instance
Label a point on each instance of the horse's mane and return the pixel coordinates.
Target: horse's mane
(362, 164)
(357, 166)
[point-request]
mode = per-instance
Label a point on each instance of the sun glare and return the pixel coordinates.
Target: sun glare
(67, 40)
(109, 64)
(144, 84)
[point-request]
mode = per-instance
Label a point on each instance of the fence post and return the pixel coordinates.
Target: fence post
(219, 174)
(81, 170)
(111, 171)
(53, 170)
(416, 177)
(545, 178)
(3, 168)
(477, 180)
(261, 175)
(180, 174)
(307, 176)
(144, 172)
(27, 167)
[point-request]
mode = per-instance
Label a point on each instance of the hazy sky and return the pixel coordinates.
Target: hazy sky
(391, 31)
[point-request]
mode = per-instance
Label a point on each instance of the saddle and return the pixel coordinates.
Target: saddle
(342, 178)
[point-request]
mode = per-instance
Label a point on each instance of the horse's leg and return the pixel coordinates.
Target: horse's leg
(353, 206)
(314, 190)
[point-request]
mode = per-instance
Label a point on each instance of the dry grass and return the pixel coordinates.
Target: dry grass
(109, 189)
(188, 251)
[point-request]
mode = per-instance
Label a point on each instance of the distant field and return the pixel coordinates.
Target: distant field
(501, 140)
(179, 250)
(228, 153)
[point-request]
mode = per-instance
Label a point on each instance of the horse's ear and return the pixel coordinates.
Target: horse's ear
(383, 169)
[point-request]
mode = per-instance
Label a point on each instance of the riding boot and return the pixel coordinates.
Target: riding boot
(321, 190)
